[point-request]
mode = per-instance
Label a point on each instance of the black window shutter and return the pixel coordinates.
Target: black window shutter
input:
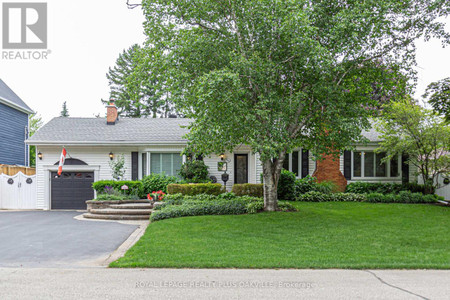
(134, 165)
(405, 168)
(305, 163)
(348, 165)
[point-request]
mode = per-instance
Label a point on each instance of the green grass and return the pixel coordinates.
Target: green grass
(320, 235)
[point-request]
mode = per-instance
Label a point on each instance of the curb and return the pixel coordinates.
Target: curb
(129, 242)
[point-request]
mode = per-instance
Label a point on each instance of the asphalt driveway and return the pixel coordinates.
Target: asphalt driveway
(56, 239)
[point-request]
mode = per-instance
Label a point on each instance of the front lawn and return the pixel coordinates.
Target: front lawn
(320, 235)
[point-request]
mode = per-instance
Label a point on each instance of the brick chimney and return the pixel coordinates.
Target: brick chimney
(327, 169)
(111, 113)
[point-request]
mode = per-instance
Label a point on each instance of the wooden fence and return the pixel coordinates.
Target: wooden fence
(13, 170)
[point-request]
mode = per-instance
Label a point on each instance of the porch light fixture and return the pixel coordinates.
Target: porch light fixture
(222, 156)
(40, 155)
(111, 155)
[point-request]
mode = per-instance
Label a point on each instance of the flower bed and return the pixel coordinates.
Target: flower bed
(175, 206)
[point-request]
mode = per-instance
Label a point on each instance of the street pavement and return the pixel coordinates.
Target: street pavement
(106, 283)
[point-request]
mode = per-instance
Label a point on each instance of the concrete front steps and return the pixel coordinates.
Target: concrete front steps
(123, 211)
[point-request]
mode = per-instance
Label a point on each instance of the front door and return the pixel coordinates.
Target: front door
(241, 168)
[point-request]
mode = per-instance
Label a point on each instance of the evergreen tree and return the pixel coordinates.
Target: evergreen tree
(64, 111)
(133, 86)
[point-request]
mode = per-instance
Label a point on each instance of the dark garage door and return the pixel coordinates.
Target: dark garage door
(72, 189)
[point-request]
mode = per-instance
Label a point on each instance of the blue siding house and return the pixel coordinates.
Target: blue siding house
(13, 127)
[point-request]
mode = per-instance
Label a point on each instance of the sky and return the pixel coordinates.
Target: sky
(85, 38)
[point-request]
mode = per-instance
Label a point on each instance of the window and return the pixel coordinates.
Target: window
(394, 167)
(292, 162)
(168, 163)
(380, 166)
(370, 164)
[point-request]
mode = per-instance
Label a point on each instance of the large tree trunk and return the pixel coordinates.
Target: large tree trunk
(271, 175)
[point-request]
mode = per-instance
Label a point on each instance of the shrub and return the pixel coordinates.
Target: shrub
(313, 196)
(375, 197)
(408, 197)
(402, 197)
(306, 184)
(326, 187)
(134, 187)
(286, 206)
(194, 171)
(179, 205)
(387, 188)
(109, 197)
(249, 189)
(286, 185)
(217, 207)
(418, 188)
(195, 189)
(254, 207)
(157, 182)
(369, 187)
(348, 197)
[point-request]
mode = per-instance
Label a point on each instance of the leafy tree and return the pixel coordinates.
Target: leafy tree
(276, 75)
(438, 94)
(133, 85)
(64, 111)
(35, 122)
(406, 127)
(118, 168)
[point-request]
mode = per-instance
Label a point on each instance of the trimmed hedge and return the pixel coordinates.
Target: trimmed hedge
(134, 187)
(157, 182)
(386, 188)
(196, 189)
(402, 197)
(248, 189)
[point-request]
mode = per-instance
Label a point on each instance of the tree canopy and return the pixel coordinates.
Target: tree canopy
(276, 75)
(438, 94)
(406, 127)
(133, 85)
(65, 110)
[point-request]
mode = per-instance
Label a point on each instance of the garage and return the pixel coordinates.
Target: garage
(71, 190)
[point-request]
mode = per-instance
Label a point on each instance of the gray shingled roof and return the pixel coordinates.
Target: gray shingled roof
(126, 131)
(11, 98)
(95, 130)
(372, 135)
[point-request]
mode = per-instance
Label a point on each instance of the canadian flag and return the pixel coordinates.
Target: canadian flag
(61, 161)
